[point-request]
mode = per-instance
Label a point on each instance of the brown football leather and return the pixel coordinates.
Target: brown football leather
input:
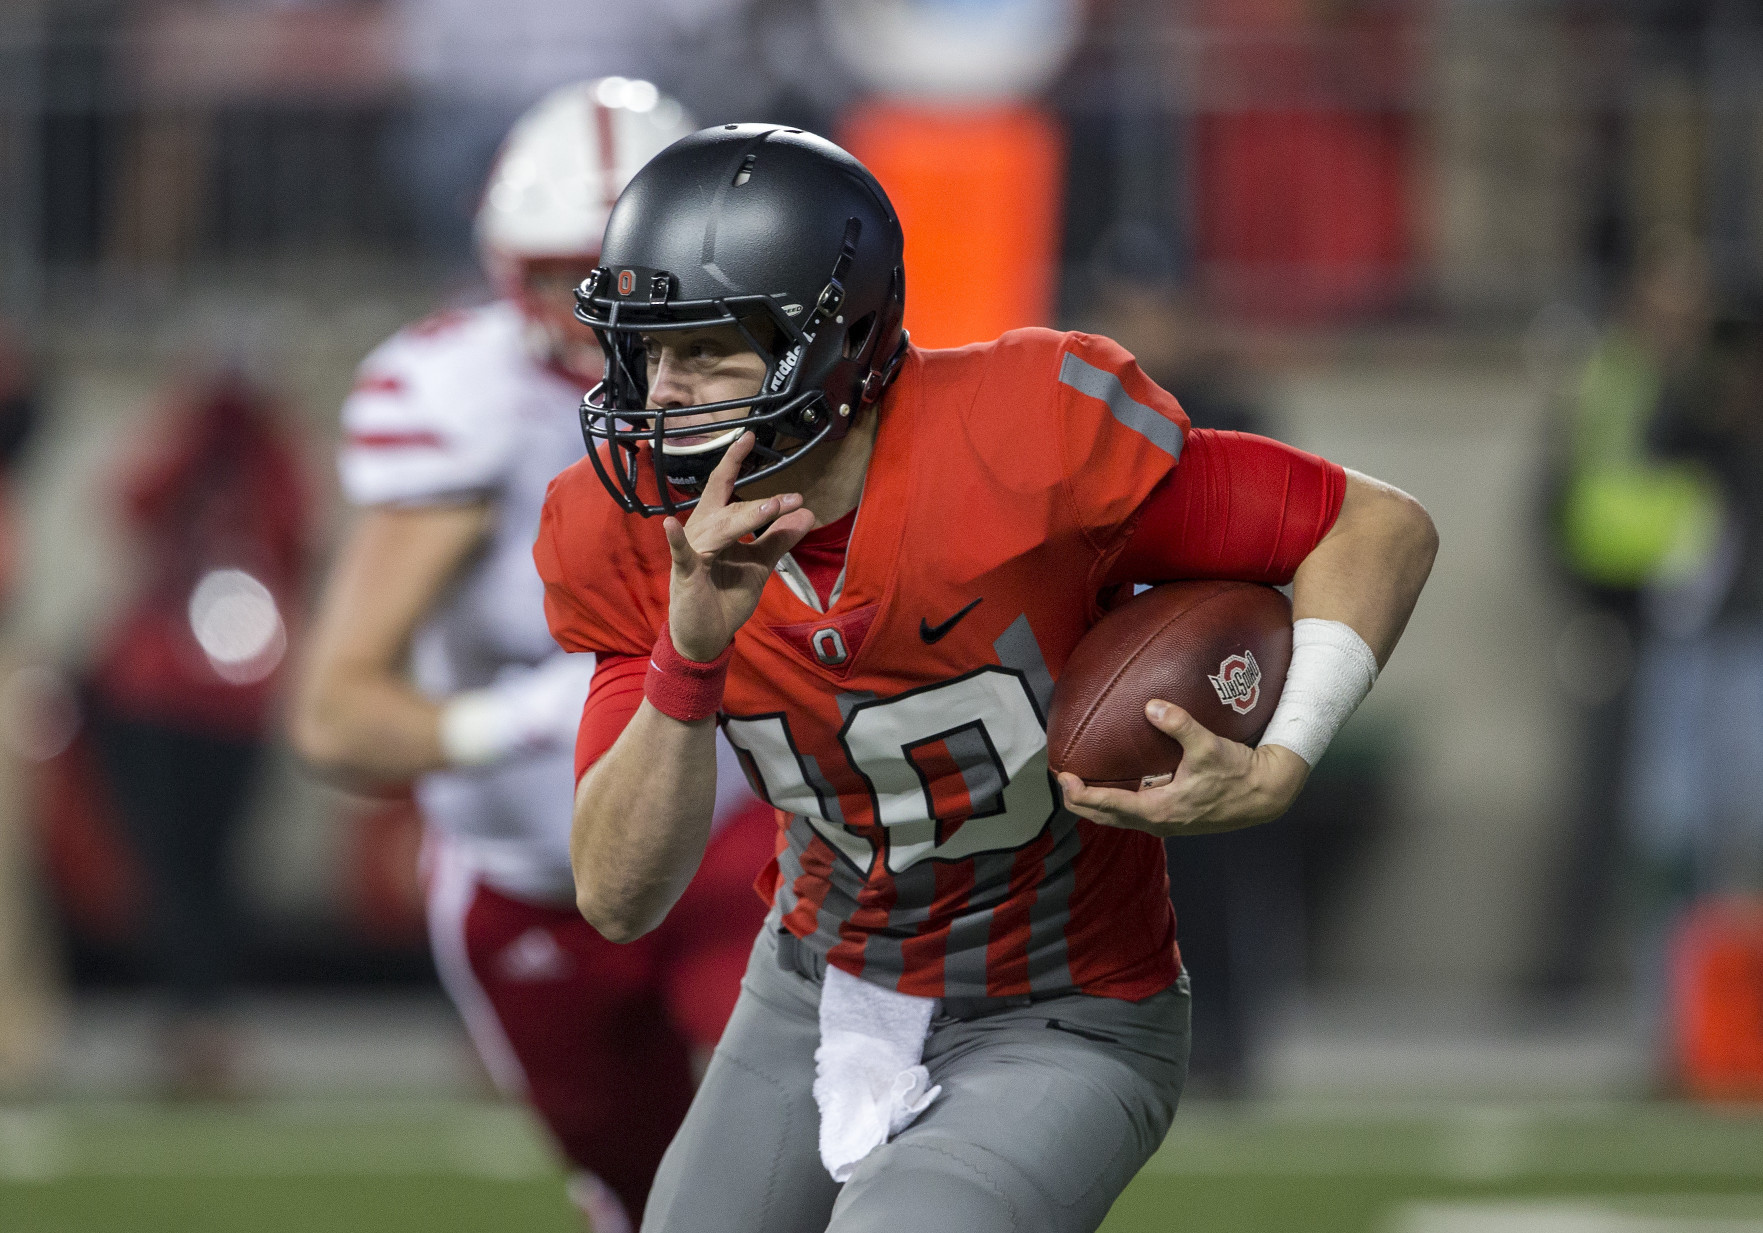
(1168, 643)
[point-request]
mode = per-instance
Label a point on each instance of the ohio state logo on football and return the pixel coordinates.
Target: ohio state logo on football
(1238, 682)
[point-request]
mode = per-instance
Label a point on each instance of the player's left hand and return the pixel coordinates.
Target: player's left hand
(1220, 785)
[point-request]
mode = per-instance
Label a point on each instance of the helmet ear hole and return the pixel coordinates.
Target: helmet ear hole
(857, 337)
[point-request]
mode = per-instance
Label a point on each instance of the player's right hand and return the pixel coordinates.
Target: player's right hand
(717, 579)
(1220, 785)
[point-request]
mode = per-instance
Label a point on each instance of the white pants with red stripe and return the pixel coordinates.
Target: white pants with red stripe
(598, 1038)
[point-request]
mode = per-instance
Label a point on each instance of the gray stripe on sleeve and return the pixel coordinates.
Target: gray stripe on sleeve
(1101, 384)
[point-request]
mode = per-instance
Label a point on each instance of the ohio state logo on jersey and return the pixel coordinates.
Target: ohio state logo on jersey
(1238, 682)
(830, 641)
(829, 646)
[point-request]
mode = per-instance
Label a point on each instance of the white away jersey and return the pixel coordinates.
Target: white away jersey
(455, 408)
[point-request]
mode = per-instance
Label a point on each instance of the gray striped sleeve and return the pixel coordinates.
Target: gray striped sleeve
(1101, 384)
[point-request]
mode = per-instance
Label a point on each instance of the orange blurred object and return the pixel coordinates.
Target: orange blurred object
(978, 191)
(1716, 973)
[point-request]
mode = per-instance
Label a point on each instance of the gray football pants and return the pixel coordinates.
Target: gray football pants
(1047, 1112)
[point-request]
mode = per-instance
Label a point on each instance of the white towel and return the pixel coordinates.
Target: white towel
(869, 1080)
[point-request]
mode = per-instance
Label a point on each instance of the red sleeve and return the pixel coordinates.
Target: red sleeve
(1121, 435)
(1235, 506)
(613, 698)
(605, 578)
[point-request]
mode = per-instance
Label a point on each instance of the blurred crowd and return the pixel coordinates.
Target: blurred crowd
(1656, 519)
(1221, 169)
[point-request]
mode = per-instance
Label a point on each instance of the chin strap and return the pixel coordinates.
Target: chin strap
(878, 380)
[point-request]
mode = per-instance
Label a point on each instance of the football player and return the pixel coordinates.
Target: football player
(868, 563)
(453, 430)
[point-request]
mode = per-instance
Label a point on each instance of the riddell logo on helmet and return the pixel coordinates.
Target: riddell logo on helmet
(785, 367)
(1238, 682)
(627, 281)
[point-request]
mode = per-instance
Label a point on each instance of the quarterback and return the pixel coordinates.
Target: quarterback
(867, 564)
(454, 429)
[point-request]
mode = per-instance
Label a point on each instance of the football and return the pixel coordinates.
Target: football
(1219, 650)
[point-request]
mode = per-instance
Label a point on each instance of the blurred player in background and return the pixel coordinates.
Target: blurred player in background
(1641, 533)
(431, 659)
(183, 692)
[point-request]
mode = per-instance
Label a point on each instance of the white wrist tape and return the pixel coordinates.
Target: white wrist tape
(1332, 671)
(476, 729)
(527, 711)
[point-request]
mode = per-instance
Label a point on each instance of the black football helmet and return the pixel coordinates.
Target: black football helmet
(772, 230)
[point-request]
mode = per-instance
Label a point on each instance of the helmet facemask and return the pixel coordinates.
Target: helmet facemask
(820, 371)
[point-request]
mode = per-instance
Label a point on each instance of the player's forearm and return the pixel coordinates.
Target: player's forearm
(1368, 571)
(356, 715)
(362, 726)
(642, 819)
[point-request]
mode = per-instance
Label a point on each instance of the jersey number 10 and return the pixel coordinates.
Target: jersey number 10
(953, 770)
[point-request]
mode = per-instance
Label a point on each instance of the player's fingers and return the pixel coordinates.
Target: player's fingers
(1171, 720)
(679, 545)
(720, 486)
(735, 522)
(1109, 806)
(781, 536)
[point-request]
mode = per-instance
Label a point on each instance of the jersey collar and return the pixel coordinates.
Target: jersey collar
(873, 554)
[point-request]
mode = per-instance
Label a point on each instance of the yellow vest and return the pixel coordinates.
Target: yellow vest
(1628, 521)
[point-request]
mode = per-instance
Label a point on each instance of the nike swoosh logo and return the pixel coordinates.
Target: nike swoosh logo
(934, 633)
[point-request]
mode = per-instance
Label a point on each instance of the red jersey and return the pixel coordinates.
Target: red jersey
(900, 728)
(221, 488)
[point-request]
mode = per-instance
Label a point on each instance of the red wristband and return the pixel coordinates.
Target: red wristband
(682, 688)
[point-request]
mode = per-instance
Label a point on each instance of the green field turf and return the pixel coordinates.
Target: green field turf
(445, 1166)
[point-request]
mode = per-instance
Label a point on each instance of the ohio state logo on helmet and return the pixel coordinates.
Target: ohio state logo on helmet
(1238, 682)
